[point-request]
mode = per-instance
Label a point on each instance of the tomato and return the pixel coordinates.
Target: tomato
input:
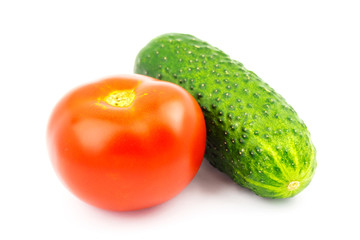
(127, 142)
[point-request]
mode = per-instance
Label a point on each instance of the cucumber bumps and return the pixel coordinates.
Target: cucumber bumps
(253, 135)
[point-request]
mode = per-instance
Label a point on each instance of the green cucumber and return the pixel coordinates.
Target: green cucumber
(253, 135)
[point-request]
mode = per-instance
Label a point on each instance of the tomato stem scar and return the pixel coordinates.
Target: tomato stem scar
(121, 98)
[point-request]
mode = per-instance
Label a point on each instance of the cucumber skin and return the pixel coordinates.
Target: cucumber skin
(253, 135)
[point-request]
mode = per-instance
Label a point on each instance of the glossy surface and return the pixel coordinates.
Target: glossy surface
(132, 155)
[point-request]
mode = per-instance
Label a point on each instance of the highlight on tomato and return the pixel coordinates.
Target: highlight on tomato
(127, 142)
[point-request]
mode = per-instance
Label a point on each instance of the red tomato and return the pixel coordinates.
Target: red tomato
(127, 142)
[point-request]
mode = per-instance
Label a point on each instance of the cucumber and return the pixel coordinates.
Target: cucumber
(253, 135)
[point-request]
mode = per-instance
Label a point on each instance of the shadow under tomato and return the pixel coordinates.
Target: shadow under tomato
(141, 213)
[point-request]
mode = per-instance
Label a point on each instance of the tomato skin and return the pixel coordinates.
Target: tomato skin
(127, 158)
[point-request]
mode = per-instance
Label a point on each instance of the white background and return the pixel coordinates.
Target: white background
(308, 51)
